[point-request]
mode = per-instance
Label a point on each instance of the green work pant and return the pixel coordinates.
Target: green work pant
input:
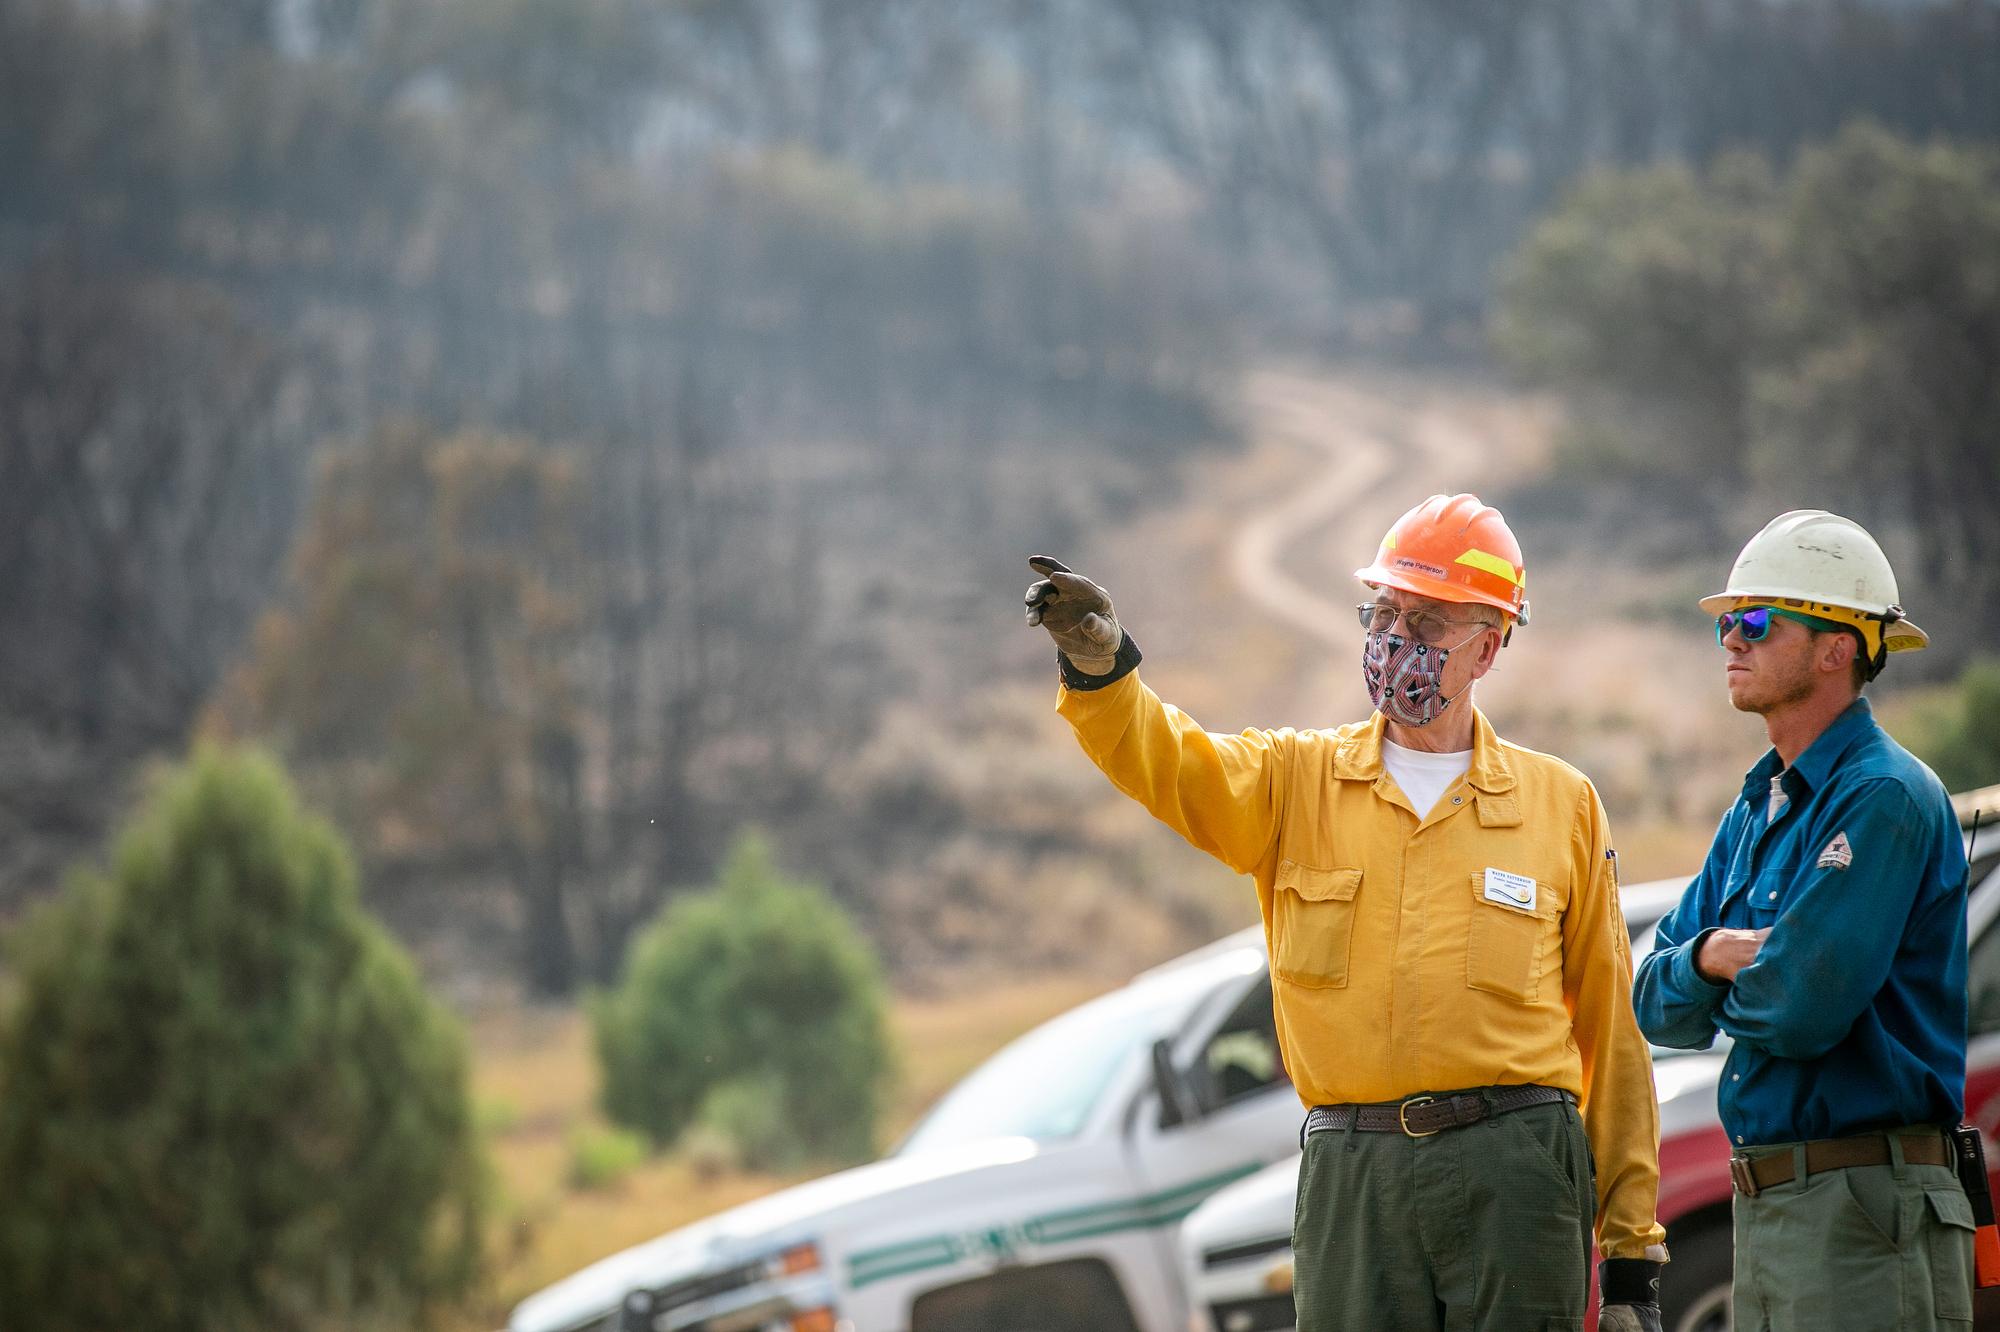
(1871, 1248)
(1485, 1227)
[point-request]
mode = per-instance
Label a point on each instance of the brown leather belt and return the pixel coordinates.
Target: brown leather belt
(1753, 1174)
(1421, 1116)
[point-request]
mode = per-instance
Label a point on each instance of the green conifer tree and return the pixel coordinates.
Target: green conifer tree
(225, 1100)
(761, 988)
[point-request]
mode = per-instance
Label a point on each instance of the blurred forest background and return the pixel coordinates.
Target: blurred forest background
(568, 430)
(567, 433)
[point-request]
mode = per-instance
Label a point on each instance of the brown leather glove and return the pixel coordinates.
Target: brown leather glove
(1077, 613)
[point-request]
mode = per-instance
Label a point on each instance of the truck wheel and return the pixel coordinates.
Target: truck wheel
(1694, 1287)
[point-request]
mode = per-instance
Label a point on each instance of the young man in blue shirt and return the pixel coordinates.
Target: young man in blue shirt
(1825, 935)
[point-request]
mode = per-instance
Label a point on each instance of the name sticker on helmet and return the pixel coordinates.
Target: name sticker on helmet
(1405, 562)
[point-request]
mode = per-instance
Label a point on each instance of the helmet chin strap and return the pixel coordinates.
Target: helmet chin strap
(1880, 659)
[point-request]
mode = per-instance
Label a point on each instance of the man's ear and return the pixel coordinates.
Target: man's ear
(1836, 653)
(1490, 644)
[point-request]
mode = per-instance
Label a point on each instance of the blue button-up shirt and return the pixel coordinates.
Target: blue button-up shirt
(1853, 1015)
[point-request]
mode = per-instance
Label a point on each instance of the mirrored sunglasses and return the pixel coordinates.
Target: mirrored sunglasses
(1755, 622)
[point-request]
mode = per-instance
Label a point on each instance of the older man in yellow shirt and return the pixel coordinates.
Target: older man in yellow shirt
(1450, 972)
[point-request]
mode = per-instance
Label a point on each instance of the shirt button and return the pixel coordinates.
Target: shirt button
(1774, 895)
(1458, 800)
(1739, 1140)
(1736, 1077)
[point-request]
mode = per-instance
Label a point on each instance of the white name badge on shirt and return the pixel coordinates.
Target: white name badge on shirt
(1513, 890)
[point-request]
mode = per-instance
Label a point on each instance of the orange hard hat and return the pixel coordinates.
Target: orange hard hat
(1453, 548)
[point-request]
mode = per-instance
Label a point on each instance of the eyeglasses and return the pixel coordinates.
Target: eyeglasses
(1755, 623)
(1426, 627)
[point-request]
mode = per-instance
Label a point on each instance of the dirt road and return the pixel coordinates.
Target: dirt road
(1631, 697)
(1242, 594)
(1332, 458)
(1381, 446)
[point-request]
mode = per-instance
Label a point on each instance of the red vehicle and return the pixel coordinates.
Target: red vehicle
(1236, 1249)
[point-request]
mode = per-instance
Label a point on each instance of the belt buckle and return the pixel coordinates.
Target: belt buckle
(1403, 1117)
(1742, 1177)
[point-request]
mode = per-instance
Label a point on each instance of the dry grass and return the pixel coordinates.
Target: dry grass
(535, 1075)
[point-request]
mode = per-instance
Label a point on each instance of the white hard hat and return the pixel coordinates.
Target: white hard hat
(1823, 560)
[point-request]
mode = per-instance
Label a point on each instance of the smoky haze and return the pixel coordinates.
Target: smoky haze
(570, 430)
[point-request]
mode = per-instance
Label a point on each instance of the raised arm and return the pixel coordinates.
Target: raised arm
(1223, 793)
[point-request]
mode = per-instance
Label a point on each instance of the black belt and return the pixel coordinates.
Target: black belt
(1751, 1175)
(1421, 1116)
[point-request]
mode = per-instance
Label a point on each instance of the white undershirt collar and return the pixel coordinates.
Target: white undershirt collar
(1424, 775)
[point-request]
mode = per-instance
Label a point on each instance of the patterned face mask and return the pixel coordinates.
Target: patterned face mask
(1405, 678)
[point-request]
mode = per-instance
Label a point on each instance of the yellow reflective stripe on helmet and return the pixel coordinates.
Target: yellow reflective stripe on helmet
(1493, 564)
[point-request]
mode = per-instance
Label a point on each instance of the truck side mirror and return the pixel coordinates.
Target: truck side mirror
(1176, 1105)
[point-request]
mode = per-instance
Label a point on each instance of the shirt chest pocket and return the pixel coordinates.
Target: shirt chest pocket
(1504, 946)
(1764, 896)
(1312, 924)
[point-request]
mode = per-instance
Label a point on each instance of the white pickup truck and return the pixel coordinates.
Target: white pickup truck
(1042, 1194)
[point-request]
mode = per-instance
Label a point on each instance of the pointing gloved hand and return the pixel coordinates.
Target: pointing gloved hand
(1630, 1291)
(1077, 613)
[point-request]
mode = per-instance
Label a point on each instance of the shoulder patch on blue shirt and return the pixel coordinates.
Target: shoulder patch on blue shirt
(1838, 854)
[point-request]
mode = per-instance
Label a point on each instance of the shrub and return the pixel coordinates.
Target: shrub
(1961, 740)
(709, 1154)
(599, 1157)
(229, 1103)
(759, 979)
(751, 1116)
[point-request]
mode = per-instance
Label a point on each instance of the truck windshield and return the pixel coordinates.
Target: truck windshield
(1044, 1085)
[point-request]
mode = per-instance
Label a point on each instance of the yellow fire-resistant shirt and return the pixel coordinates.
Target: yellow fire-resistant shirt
(1478, 945)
